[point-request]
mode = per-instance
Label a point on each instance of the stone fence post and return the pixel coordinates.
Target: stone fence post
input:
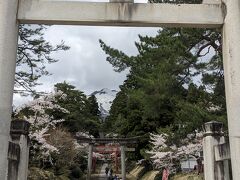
(213, 135)
(19, 135)
(13, 160)
(216, 152)
(223, 160)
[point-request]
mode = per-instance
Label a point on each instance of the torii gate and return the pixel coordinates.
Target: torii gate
(210, 14)
(123, 142)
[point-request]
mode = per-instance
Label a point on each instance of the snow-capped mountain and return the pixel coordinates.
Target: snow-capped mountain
(105, 98)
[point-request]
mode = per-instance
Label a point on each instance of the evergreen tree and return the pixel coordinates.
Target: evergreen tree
(93, 106)
(83, 115)
(161, 92)
(94, 115)
(34, 52)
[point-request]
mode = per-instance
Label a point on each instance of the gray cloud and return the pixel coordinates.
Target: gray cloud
(85, 65)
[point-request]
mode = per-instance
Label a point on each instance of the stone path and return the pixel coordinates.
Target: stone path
(102, 175)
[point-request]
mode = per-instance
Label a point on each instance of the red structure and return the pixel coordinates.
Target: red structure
(115, 146)
(112, 150)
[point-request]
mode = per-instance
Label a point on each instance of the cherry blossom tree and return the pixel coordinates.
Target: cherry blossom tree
(41, 114)
(165, 153)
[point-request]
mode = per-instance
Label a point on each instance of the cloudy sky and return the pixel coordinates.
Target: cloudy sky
(85, 65)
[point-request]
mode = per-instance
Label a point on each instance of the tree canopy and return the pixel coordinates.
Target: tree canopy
(83, 111)
(175, 84)
(56, 118)
(33, 53)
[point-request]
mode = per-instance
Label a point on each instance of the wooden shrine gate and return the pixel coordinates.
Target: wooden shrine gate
(102, 145)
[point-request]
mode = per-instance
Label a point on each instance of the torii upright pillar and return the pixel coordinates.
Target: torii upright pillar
(231, 60)
(8, 48)
(123, 165)
(90, 158)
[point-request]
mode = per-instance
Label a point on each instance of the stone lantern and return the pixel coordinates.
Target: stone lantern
(213, 128)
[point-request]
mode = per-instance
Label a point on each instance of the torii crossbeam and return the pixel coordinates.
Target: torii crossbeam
(119, 14)
(213, 14)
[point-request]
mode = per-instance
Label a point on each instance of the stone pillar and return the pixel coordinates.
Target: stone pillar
(19, 134)
(90, 154)
(123, 166)
(231, 62)
(8, 48)
(212, 136)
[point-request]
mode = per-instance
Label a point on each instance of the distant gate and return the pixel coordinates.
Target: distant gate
(102, 145)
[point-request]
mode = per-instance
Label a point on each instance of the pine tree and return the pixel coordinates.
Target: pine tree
(34, 52)
(160, 92)
(82, 112)
(93, 106)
